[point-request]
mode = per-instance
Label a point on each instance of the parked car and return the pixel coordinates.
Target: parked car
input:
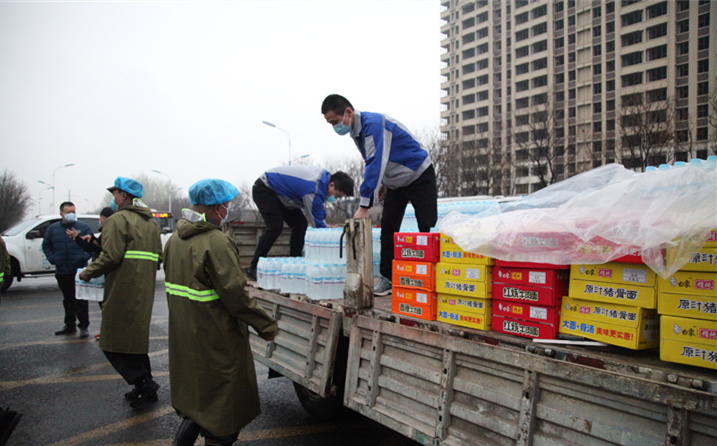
(24, 244)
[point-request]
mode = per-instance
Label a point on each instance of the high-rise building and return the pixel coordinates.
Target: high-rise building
(534, 92)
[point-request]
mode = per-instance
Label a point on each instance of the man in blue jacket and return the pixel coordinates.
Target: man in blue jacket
(295, 195)
(67, 257)
(398, 170)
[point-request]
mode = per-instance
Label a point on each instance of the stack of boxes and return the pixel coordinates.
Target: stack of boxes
(414, 274)
(613, 303)
(687, 304)
(527, 298)
(463, 283)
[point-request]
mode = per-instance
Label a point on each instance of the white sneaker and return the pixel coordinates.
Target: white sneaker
(383, 287)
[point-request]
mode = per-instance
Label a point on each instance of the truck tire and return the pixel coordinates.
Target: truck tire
(7, 281)
(323, 409)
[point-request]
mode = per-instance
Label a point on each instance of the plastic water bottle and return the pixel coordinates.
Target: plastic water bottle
(261, 273)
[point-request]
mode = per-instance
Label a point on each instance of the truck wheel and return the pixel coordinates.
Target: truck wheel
(7, 281)
(323, 409)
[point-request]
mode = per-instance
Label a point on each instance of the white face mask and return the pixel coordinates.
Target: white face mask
(226, 217)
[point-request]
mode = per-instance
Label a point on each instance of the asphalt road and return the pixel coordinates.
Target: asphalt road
(69, 394)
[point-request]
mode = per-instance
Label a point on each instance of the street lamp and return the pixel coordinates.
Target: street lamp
(285, 132)
(53, 181)
(169, 207)
(39, 197)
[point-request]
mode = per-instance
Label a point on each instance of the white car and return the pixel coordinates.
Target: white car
(24, 244)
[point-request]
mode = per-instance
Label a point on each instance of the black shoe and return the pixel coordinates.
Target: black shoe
(84, 333)
(133, 395)
(67, 329)
(251, 273)
(146, 393)
(187, 433)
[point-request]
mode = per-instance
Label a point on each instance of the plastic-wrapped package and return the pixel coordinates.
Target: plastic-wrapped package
(600, 216)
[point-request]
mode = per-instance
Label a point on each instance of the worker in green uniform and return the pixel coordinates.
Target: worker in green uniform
(211, 369)
(131, 250)
(5, 265)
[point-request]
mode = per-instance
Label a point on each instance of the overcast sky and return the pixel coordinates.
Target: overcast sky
(123, 88)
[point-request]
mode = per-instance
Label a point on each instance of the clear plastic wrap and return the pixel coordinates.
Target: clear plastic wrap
(600, 216)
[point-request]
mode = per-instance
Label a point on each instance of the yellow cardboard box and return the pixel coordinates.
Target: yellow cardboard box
(688, 341)
(464, 311)
(625, 326)
(685, 305)
(622, 294)
(689, 282)
(615, 273)
(703, 260)
(464, 279)
(450, 252)
(711, 239)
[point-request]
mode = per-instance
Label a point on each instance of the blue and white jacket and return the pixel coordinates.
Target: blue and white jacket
(62, 251)
(301, 187)
(393, 156)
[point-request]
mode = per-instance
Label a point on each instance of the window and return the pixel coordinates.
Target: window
(522, 103)
(703, 88)
(522, 35)
(610, 46)
(610, 105)
(559, 61)
(571, 39)
(610, 66)
(631, 18)
(632, 79)
(683, 70)
(610, 85)
(703, 20)
(483, 111)
(597, 107)
(682, 48)
(597, 12)
(631, 38)
(571, 75)
(571, 20)
(682, 92)
(470, 52)
(540, 11)
(522, 18)
(482, 64)
(560, 96)
(468, 38)
(656, 31)
(522, 52)
(656, 95)
(559, 42)
(683, 26)
(610, 123)
(597, 31)
(558, 6)
(571, 93)
(539, 29)
(468, 8)
(658, 52)
(632, 59)
(522, 86)
(539, 99)
(571, 57)
(522, 68)
(572, 112)
(702, 111)
(467, 23)
(482, 80)
(703, 43)
(470, 83)
(702, 134)
(469, 99)
(469, 114)
(597, 50)
(482, 33)
(560, 78)
(610, 8)
(483, 95)
(629, 100)
(484, 17)
(540, 81)
(597, 69)
(610, 27)
(469, 68)
(656, 74)
(597, 88)
(597, 127)
(540, 46)
(656, 10)
(469, 129)
(703, 66)
(559, 24)
(522, 119)
(683, 5)
(539, 64)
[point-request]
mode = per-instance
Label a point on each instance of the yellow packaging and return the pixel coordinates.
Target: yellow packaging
(625, 326)
(689, 306)
(711, 239)
(450, 252)
(703, 260)
(464, 279)
(621, 294)
(689, 282)
(615, 273)
(464, 311)
(688, 341)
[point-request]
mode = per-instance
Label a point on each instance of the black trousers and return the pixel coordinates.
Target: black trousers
(275, 214)
(133, 367)
(74, 308)
(423, 195)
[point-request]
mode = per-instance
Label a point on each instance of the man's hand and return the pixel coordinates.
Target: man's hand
(72, 233)
(361, 213)
(381, 193)
(86, 238)
(83, 276)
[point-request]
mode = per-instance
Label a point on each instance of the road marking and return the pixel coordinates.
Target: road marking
(115, 427)
(65, 341)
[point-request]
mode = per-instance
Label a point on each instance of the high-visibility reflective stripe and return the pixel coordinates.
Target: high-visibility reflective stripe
(141, 255)
(2, 276)
(185, 291)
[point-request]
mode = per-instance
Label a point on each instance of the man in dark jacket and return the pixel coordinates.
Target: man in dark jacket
(211, 370)
(67, 257)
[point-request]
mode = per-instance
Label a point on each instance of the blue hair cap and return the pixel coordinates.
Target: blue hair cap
(212, 191)
(132, 187)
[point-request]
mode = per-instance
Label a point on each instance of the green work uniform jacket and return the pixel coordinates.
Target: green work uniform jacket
(211, 369)
(131, 248)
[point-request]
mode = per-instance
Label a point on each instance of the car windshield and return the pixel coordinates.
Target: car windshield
(20, 227)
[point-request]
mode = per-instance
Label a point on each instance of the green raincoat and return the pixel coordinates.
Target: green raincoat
(5, 265)
(211, 369)
(131, 248)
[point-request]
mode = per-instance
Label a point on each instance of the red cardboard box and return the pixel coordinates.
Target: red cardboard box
(537, 295)
(527, 329)
(531, 276)
(527, 312)
(598, 247)
(420, 304)
(530, 265)
(537, 241)
(417, 246)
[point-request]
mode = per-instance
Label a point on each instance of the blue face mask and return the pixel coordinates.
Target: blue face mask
(113, 205)
(70, 218)
(331, 199)
(342, 128)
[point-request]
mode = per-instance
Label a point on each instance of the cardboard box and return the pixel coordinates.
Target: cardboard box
(704, 260)
(464, 279)
(615, 273)
(685, 305)
(417, 246)
(539, 265)
(537, 295)
(415, 303)
(598, 248)
(711, 239)
(527, 312)
(464, 311)
(420, 275)
(527, 329)
(688, 341)
(625, 326)
(537, 241)
(450, 252)
(621, 294)
(531, 276)
(689, 282)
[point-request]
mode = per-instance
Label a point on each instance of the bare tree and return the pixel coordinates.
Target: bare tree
(14, 200)
(645, 129)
